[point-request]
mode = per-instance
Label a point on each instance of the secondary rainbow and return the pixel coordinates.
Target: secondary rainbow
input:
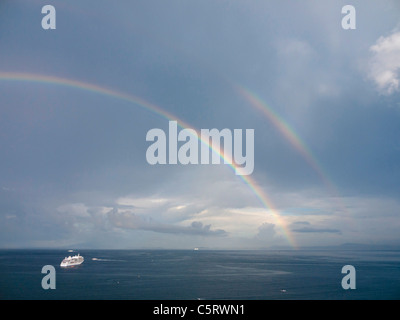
(288, 133)
(93, 88)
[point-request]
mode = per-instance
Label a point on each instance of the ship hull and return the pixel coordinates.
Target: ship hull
(72, 261)
(66, 265)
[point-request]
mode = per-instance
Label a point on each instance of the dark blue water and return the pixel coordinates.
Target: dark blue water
(187, 275)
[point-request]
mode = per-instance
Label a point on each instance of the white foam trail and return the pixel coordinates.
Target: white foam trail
(97, 259)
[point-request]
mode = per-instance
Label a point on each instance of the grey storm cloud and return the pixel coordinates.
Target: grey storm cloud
(266, 231)
(316, 230)
(306, 227)
(129, 220)
(71, 151)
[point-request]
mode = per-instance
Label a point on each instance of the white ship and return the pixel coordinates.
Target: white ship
(72, 261)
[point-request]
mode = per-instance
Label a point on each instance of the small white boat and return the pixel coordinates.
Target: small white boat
(72, 261)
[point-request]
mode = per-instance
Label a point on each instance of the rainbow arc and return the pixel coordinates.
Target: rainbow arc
(139, 102)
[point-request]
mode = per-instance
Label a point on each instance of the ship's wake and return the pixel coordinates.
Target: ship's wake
(100, 259)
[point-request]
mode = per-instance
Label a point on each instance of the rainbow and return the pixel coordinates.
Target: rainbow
(96, 89)
(88, 87)
(289, 134)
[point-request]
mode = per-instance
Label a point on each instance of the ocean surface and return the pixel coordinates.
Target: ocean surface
(202, 274)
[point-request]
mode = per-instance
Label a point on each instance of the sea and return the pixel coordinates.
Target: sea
(201, 275)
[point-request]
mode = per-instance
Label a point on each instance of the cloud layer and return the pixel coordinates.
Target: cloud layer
(129, 220)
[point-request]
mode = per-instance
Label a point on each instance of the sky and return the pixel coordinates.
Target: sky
(77, 101)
